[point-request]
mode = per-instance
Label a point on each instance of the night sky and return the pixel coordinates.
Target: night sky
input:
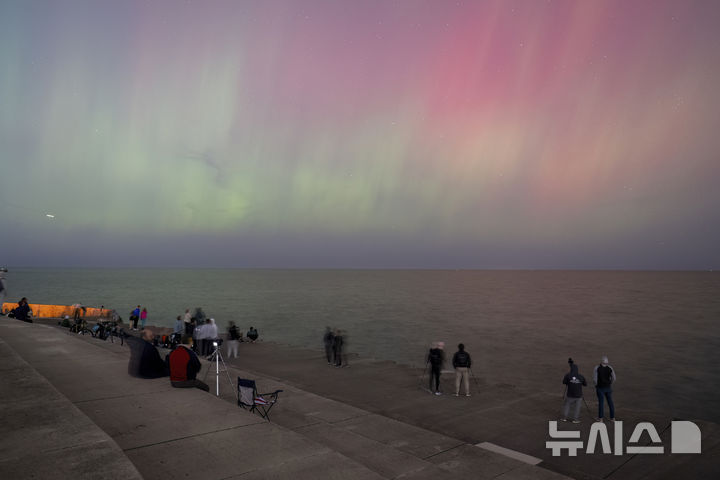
(368, 134)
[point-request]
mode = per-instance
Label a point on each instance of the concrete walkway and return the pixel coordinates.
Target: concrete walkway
(372, 420)
(186, 433)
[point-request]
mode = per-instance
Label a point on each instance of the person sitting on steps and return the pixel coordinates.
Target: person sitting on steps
(184, 366)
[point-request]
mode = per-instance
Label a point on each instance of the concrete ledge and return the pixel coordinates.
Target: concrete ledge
(45, 435)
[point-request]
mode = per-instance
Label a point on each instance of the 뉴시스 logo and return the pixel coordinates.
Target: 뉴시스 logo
(685, 438)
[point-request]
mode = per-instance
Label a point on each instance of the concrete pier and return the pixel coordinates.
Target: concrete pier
(372, 420)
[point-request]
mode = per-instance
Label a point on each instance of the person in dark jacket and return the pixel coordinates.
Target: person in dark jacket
(22, 311)
(234, 337)
(461, 363)
(252, 334)
(338, 345)
(573, 382)
(184, 366)
(328, 340)
(145, 361)
(436, 359)
(604, 377)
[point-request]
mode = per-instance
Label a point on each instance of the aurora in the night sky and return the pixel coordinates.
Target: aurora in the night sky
(348, 133)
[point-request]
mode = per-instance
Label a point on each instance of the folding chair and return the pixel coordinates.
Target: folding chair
(249, 398)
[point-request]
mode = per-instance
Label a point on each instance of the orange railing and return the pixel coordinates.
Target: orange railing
(59, 311)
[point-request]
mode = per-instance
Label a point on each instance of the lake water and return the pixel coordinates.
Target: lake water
(659, 329)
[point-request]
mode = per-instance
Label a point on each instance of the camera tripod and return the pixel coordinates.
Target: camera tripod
(216, 357)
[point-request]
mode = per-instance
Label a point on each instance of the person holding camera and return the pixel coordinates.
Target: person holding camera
(573, 397)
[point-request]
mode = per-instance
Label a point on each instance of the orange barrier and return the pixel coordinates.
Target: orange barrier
(59, 311)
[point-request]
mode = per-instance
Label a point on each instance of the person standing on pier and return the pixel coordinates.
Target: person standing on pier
(211, 336)
(573, 382)
(233, 340)
(436, 359)
(338, 343)
(3, 288)
(462, 363)
(604, 377)
(328, 340)
(134, 316)
(143, 318)
(179, 326)
(200, 337)
(187, 320)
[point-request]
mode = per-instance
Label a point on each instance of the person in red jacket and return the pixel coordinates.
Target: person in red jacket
(184, 366)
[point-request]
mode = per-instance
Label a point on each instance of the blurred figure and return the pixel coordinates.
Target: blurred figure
(233, 337)
(187, 320)
(338, 345)
(436, 359)
(252, 335)
(604, 377)
(143, 318)
(179, 326)
(184, 366)
(78, 312)
(461, 362)
(200, 337)
(3, 288)
(195, 334)
(573, 382)
(328, 340)
(145, 361)
(211, 335)
(199, 316)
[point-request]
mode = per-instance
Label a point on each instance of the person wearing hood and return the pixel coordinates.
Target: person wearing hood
(604, 377)
(573, 382)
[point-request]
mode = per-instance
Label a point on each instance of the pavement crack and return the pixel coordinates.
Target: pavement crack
(189, 436)
(444, 451)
